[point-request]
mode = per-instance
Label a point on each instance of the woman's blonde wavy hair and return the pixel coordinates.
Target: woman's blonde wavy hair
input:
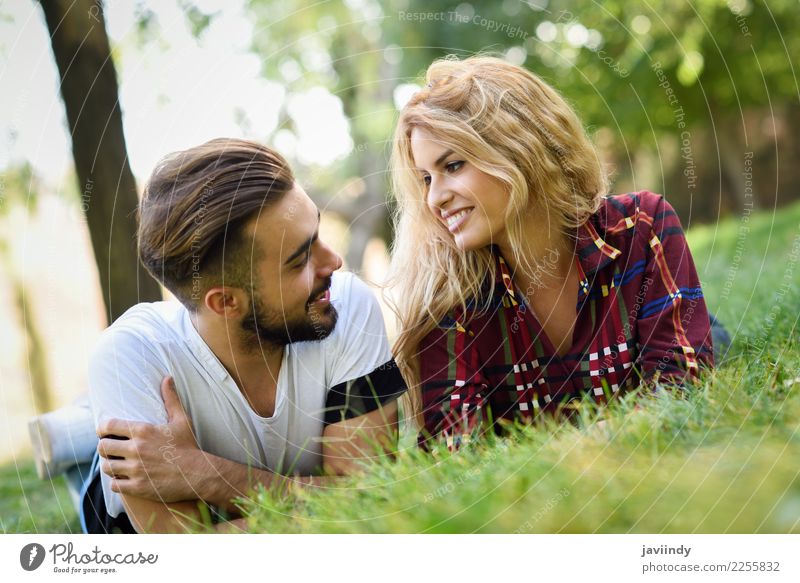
(510, 124)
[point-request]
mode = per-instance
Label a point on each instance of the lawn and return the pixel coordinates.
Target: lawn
(28, 504)
(723, 460)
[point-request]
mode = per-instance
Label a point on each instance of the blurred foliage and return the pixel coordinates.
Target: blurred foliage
(336, 45)
(198, 20)
(19, 195)
(641, 75)
(717, 55)
(18, 185)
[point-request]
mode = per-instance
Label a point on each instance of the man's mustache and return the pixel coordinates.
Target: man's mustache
(314, 293)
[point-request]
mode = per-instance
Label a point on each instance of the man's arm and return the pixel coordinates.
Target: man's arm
(153, 517)
(162, 464)
(348, 444)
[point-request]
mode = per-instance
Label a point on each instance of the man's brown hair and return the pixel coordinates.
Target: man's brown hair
(191, 233)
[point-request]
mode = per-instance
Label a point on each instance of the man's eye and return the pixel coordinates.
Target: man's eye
(454, 166)
(303, 261)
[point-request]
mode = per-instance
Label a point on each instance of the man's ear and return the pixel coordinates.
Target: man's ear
(230, 302)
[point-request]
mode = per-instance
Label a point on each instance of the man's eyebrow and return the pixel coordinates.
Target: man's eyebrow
(440, 159)
(305, 244)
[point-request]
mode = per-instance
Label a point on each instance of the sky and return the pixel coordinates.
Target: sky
(176, 91)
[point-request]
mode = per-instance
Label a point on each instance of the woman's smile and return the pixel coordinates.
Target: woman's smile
(455, 220)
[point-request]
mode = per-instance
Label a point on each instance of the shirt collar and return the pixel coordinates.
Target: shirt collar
(201, 350)
(594, 253)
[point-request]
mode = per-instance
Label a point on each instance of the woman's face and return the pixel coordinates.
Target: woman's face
(469, 203)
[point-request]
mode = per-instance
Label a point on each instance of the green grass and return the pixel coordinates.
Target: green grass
(31, 505)
(744, 266)
(723, 460)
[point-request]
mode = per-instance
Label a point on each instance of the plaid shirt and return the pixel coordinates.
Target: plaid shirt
(641, 316)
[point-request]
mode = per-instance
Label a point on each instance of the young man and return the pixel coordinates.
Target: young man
(271, 365)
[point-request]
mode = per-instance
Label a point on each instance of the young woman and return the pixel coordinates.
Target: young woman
(520, 285)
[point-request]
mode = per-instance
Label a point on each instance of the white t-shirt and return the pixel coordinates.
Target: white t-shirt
(152, 340)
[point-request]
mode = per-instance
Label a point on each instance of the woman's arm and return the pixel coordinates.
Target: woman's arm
(673, 325)
(454, 392)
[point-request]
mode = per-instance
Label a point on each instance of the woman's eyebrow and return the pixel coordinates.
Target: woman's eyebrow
(439, 160)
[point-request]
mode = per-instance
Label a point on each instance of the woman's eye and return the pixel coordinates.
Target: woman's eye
(426, 180)
(454, 166)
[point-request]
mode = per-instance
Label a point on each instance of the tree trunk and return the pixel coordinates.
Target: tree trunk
(35, 355)
(372, 167)
(108, 189)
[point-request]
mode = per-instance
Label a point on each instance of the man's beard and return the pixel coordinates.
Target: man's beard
(272, 327)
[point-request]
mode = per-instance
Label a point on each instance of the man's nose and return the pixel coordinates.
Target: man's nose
(329, 262)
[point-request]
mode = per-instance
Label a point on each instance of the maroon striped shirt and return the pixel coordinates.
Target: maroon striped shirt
(641, 317)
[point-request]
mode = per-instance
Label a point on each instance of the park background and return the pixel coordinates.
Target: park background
(698, 100)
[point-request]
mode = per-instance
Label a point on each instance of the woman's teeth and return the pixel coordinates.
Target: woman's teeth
(453, 220)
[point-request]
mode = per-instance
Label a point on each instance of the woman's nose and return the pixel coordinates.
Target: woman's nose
(438, 194)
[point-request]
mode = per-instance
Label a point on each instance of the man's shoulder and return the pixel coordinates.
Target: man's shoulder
(348, 283)
(147, 323)
(350, 295)
(150, 315)
(359, 319)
